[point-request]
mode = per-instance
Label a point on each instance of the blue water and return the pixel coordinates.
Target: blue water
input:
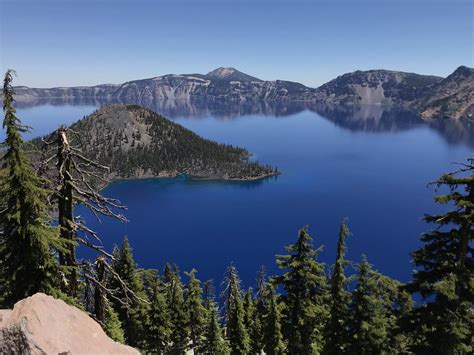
(374, 170)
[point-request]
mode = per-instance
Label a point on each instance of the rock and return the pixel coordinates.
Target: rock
(41, 324)
(376, 87)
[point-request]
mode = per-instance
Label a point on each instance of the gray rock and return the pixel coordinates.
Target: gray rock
(41, 324)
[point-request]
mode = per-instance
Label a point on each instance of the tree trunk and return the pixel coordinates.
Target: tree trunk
(66, 212)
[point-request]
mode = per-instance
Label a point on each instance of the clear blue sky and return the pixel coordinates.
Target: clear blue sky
(63, 42)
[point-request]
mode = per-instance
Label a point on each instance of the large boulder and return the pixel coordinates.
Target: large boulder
(41, 324)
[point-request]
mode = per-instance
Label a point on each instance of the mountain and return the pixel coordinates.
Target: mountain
(136, 142)
(376, 87)
(219, 84)
(433, 96)
(452, 97)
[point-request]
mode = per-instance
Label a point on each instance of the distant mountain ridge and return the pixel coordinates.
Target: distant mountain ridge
(432, 96)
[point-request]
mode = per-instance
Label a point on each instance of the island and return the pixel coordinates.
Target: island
(135, 143)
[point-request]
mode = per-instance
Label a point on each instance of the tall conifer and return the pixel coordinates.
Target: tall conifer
(445, 270)
(134, 314)
(336, 333)
(196, 311)
(272, 335)
(159, 322)
(261, 309)
(236, 332)
(27, 240)
(305, 296)
(374, 311)
(214, 342)
(179, 317)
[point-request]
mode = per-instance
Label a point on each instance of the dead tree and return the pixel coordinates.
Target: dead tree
(78, 180)
(97, 275)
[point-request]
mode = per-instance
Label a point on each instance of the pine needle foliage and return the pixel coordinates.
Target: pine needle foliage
(305, 296)
(336, 328)
(445, 270)
(27, 240)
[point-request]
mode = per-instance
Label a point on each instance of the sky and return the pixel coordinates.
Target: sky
(83, 42)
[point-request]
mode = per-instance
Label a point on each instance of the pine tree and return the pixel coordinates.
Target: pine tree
(305, 296)
(214, 343)
(273, 338)
(208, 294)
(134, 314)
(27, 240)
(167, 274)
(336, 333)
(445, 268)
(196, 311)
(236, 333)
(150, 279)
(369, 324)
(179, 317)
(249, 314)
(112, 325)
(159, 323)
(261, 309)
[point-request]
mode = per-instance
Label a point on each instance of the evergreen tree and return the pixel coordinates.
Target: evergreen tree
(249, 313)
(196, 311)
(150, 279)
(372, 319)
(445, 271)
(336, 333)
(208, 294)
(273, 338)
(261, 309)
(112, 325)
(214, 343)
(27, 240)
(305, 296)
(159, 323)
(178, 315)
(167, 274)
(236, 333)
(134, 314)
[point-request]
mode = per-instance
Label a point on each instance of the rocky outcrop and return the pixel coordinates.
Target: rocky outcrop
(452, 97)
(41, 324)
(375, 87)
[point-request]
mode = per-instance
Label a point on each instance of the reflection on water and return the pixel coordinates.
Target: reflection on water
(355, 118)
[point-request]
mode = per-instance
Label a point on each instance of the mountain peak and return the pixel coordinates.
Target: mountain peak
(229, 73)
(222, 72)
(463, 71)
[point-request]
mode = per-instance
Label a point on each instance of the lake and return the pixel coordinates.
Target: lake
(368, 164)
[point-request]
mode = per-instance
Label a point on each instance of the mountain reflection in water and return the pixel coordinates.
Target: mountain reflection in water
(355, 118)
